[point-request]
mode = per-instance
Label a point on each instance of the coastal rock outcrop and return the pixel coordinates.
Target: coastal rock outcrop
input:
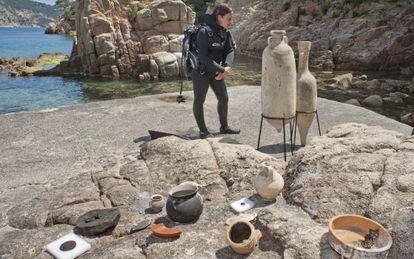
(354, 168)
(118, 38)
(345, 35)
(22, 66)
(61, 26)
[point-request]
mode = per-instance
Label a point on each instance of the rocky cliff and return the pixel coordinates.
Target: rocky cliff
(26, 13)
(346, 34)
(137, 39)
(141, 39)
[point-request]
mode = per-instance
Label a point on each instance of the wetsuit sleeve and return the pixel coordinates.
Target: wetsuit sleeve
(229, 48)
(205, 59)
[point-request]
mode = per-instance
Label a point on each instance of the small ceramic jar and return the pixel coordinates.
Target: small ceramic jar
(157, 202)
(243, 237)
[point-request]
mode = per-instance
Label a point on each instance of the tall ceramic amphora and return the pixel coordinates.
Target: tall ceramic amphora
(306, 92)
(278, 80)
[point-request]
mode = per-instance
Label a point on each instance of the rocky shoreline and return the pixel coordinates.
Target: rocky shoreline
(64, 162)
(23, 66)
(391, 97)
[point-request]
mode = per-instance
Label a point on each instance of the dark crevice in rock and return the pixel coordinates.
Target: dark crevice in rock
(143, 245)
(98, 187)
(376, 187)
(214, 153)
(222, 172)
(225, 176)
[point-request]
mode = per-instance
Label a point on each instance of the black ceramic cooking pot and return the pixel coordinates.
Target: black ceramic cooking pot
(184, 203)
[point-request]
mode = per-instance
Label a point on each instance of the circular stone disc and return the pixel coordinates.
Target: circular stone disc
(68, 245)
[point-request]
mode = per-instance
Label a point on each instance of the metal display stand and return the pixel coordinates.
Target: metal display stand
(296, 123)
(284, 131)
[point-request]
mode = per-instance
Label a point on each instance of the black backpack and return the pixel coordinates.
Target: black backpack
(189, 54)
(189, 47)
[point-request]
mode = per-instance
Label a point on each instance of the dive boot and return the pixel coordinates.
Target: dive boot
(205, 134)
(228, 130)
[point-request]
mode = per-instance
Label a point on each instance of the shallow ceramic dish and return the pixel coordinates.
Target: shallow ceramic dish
(160, 230)
(347, 231)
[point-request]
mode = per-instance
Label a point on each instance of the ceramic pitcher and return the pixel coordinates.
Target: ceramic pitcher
(268, 183)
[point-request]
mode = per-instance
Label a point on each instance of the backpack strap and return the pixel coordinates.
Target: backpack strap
(210, 33)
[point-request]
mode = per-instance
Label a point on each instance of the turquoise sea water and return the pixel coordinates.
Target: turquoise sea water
(30, 42)
(35, 93)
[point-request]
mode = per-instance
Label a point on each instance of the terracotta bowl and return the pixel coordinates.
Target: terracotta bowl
(347, 231)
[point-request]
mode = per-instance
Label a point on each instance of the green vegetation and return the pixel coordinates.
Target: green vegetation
(357, 13)
(133, 9)
(325, 7)
(50, 11)
(286, 6)
(200, 7)
(67, 7)
(110, 89)
(358, 2)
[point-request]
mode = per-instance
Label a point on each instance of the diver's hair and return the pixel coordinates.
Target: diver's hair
(222, 10)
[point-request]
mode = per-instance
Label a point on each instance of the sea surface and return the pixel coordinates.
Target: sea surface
(30, 42)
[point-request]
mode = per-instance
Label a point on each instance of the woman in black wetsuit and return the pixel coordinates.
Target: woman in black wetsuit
(215, 47)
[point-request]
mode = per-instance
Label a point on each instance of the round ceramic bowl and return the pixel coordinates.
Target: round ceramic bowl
(347, 231)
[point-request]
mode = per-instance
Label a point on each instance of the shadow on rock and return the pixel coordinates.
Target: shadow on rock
(228, 253)
(278, 148)
(259, 202)
(325, 248)
(152, 239)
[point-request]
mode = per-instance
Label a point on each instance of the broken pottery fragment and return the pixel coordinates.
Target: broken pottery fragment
(140, 226)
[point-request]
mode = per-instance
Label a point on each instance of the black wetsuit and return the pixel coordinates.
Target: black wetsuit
(215, 50)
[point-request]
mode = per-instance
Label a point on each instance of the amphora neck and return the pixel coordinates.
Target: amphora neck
(304, 50)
